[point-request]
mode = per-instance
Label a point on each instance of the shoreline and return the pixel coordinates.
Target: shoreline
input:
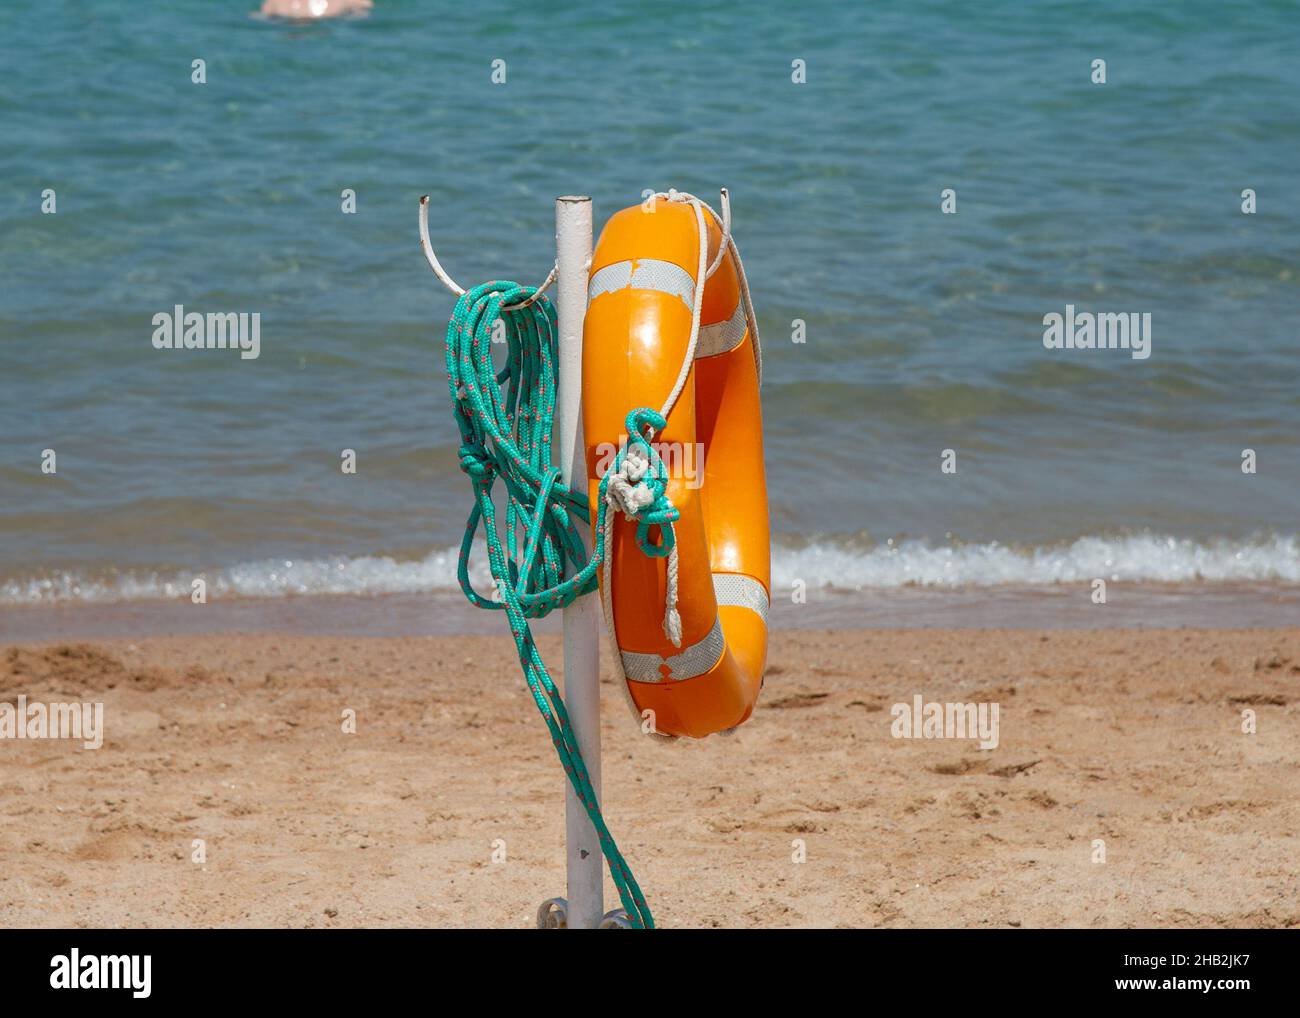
(445, 612)
(1125, 737)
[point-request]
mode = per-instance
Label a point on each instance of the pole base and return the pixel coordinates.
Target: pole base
(554, 915)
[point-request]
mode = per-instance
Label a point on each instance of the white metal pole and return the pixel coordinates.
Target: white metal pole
(585, 866)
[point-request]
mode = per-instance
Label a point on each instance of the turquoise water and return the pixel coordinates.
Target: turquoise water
(924, 330)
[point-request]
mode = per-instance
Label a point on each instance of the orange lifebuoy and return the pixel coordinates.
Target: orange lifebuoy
(641, 295)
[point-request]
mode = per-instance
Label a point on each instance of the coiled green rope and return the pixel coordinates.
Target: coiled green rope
(506, 433)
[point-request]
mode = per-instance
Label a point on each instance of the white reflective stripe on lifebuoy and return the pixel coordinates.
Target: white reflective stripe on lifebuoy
(609, 279)
(720, 337)
(741, 591)
(644, 274)
(691, 661)
(731, 590)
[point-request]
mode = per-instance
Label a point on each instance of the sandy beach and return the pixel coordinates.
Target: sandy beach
(1131, 738)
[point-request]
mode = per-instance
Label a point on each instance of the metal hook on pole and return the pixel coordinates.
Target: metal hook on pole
(723, 220)
(427, 247)
(725, 202)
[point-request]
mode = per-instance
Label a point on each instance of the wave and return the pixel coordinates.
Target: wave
(1142, 558)
(365, 574)
(832, 565)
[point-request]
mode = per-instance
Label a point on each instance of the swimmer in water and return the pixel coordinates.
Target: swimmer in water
(307, 9)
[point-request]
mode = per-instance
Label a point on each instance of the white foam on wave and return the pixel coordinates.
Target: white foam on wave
(365, 574)
(1142, 558)
(824, 564)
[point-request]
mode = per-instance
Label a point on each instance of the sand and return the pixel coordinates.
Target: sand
(1131, 738)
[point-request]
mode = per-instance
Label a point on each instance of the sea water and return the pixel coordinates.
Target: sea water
(913, 202)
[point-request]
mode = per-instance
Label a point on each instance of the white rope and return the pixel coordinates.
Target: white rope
(672, 619)
(627, 493)
(607, 609)
(728, 243)
(697, 303)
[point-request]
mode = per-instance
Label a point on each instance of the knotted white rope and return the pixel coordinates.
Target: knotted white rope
(627, 493)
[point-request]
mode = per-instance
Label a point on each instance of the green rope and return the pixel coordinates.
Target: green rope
(507, 434)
